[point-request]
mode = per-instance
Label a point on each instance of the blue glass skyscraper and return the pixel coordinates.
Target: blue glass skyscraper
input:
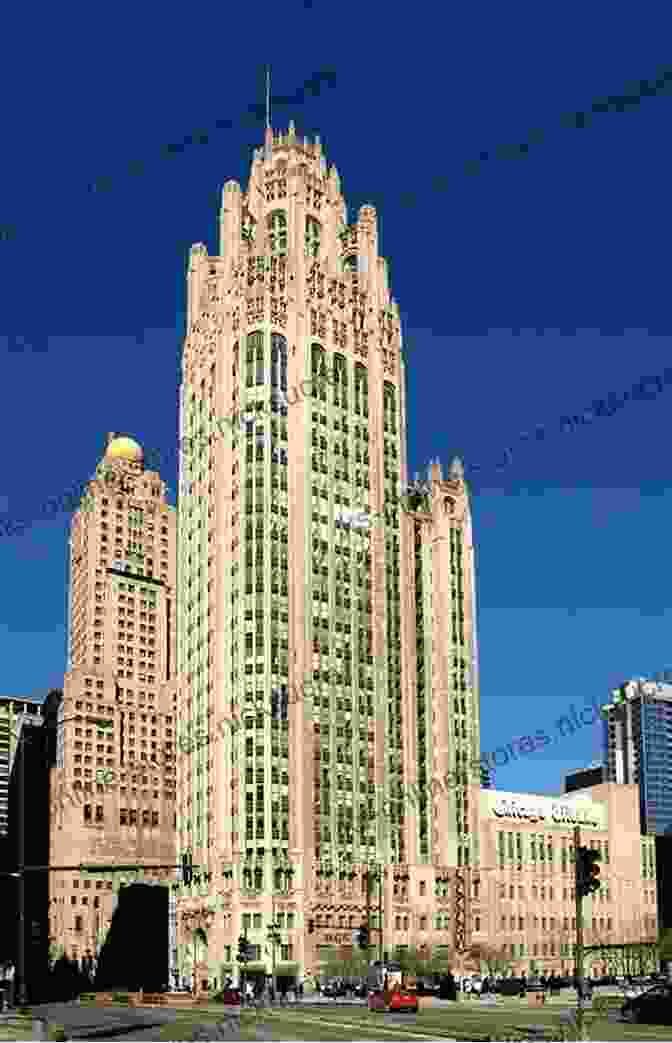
(638, 748)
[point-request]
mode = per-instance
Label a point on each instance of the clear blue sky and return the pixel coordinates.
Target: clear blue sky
(573, 567)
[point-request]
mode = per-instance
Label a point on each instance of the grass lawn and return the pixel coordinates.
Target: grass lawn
(20, 1027)
(460, 1023)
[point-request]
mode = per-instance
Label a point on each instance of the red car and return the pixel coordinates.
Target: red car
(395, 1000)
(231, 997)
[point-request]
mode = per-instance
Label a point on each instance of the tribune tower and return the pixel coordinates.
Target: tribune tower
(327, 652)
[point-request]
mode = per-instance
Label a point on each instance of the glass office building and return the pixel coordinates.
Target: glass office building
(638, 747)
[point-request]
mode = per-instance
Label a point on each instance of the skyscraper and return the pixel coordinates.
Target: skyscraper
(13, 711)
(327, 655)
(113, 789)
(638, 747)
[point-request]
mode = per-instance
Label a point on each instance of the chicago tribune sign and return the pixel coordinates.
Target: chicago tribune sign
(558, 813)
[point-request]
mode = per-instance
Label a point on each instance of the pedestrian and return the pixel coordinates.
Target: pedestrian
(523, 986)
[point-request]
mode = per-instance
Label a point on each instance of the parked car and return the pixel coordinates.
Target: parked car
(653, 1007)
(397, 1000)
(509, 987)
(426, 988)
(334, 990)
(229, 996)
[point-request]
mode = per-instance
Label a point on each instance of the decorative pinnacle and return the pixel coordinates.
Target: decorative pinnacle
(456, 468)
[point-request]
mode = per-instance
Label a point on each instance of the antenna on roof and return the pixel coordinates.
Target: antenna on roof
(268, 97)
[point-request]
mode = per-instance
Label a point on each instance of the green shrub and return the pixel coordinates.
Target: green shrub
(57, 1032)
(601, 1006)
(120, 997)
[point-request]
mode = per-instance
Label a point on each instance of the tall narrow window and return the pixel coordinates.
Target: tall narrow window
(361, 390)
(313, 237)
(319, 372)
(340, 385)
(260, 360)
(277, 232)
(248, 229)
(278, 363)
(389, 408)
(254, 353)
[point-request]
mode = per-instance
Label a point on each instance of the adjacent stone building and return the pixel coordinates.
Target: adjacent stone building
(524, 899)
(113, 787)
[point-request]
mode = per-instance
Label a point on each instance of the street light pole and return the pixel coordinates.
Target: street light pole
(579, 959)
(379, 870)
(21, 941)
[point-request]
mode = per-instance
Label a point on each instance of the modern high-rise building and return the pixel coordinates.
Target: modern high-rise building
(113, 787)
(638, 747)
(583, 778)
(327, 651)
(28, 844)
(13, 710)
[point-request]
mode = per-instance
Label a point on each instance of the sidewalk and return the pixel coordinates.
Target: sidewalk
(100, 1023)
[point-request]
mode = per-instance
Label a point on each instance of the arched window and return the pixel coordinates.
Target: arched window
(277, 232)
(248, 231)
(313, 237)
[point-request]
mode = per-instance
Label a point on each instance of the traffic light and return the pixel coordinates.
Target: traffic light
(311, 927)
(363, 937)
(587, 871)
(187, 868)
(243, 949)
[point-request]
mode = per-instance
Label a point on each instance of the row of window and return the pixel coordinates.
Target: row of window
(127, 816)
(539, 848)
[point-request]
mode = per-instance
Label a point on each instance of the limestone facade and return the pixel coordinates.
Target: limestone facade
(113, 787)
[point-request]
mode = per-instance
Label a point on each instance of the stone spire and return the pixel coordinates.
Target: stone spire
(456, 468)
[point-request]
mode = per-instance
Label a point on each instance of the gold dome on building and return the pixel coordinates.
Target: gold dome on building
(124, 448)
